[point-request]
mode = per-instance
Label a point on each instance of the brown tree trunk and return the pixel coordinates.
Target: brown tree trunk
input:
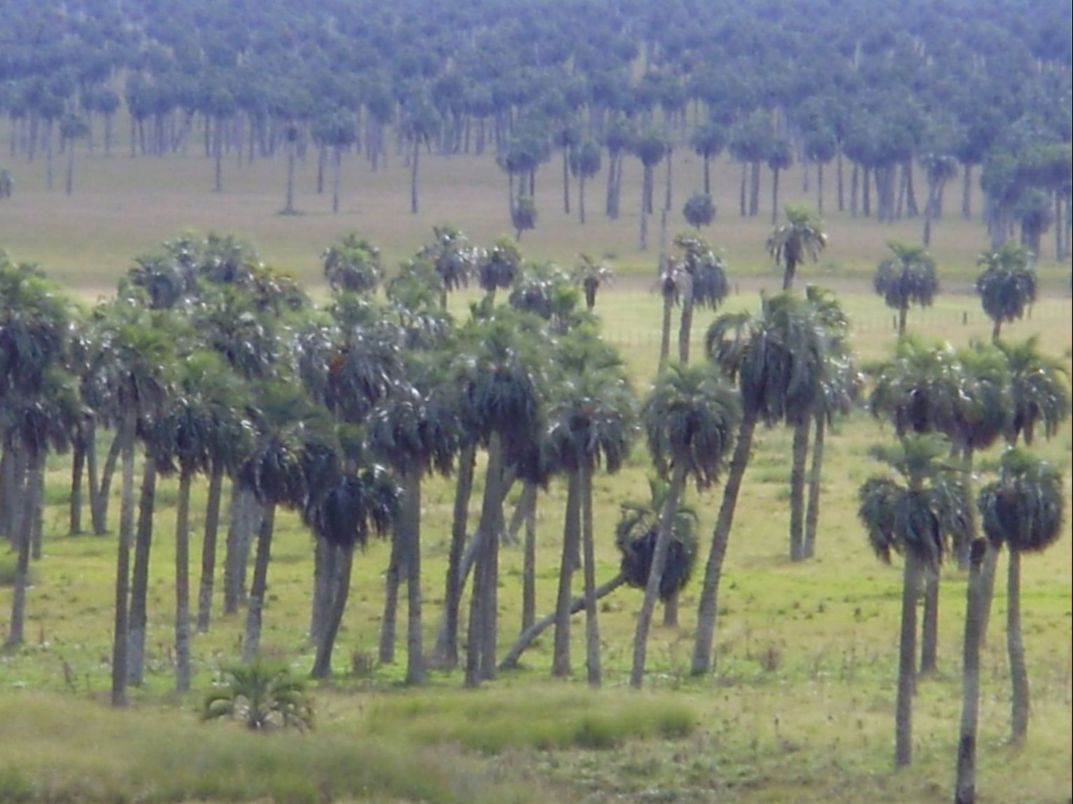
(447, 642)
(415, 653)
(23, 534)
(594, 672)
(251, 642)
(322, 663)
(812, 515)
(122, 586)
(965, 787)
(713, 571)
(903, 711)
(929, 637)
(797, 488)
(139, 588)
(208, 550)
(655, 575)
(1019, 707)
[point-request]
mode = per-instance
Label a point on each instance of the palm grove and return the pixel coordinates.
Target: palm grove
(885, 107)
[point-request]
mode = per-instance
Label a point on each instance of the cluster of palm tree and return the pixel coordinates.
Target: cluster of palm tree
(945, 405)
(894, 91)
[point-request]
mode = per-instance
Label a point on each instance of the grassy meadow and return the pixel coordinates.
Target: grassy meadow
(800, 707)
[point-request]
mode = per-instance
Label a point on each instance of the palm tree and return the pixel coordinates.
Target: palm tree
(907, 277)
(591, 423)
(344, 514)
(650, 147)
(498, 267)
(1039, 391)
(418, 125)
(263, 695)
(590, 274)
(274, 472)
(913, 510)
(142, 346)
(975, 591)
(940, 169)
(416, 432)
(689, 418)
(453, 258)
(793, 242)
(703, 279)
(353, 265)
(1023, 509)
(779, 157)
(72, 128)
(707, 142)
(339, 131)
(775, 360)
(1007, 284)
(584, 164)
(699, 210)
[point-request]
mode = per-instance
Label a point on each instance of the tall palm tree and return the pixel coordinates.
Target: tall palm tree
(690, 418)
(907, 277)
(975, 591)
(415, 430)
(650, 147)
(707, 142)
(498, 267)
(274, 472)
(795, 241)
(703, 278)
(344, 514)
(1007, 284)
(775, 360)
(584, 164)
(143, 347)
(590, 423)
(1024, 510)
(915, 509)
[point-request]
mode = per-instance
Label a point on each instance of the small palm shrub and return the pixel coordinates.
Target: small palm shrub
(264, 695)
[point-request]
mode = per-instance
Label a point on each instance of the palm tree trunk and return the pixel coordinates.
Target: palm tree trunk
(413, 175)
(1016, 648)
(69, 183)
(139, 589)
(754, 189)
(707, 175)
(322, 663)
(742, 211)
(337, 169)
(706, 612)
(389, 620)
(670, 610)
(482, 614)
(812, 515)
(245, 516)
(566, 182)
(965, 787)
(251, 641)
(92, 477)
(122, 584)
(510, 660)
(966, 192)
(9, 494)
(35, 491)
(903, 313)
(561, 654)
(581, 199)
(415, 654)
(996, 330)
(208, 550)
(104, 490)
(182, 583)
(819, 188)
(594, 672)
(323, 583)
(529, 558)
(288, 207)
(665, 333)
(23, 533)
(774, 195)
(929, 637)
(668, 198)
(447, 642)
(655, 575)
(797, 488)
(903, 711)
(685, 320)
(78, 465)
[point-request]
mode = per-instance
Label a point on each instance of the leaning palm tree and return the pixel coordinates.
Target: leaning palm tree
(689, 418)
(906, 277)
(356, 505)
(793, 242)
(1007, 284)
(590, 274)
(915, 509)
(1023, 510)
(775, 360)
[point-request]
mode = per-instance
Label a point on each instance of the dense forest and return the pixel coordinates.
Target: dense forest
(980, 89)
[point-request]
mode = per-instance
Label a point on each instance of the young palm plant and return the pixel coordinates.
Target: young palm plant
(1024, 511)
(264, 696)
(914, 509)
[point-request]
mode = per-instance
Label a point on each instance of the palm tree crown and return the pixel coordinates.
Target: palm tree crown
(793, 242)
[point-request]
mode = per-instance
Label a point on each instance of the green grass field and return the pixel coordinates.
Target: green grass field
(800, 707)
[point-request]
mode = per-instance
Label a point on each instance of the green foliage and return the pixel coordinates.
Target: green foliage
(263, 695)
(1025, 507)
